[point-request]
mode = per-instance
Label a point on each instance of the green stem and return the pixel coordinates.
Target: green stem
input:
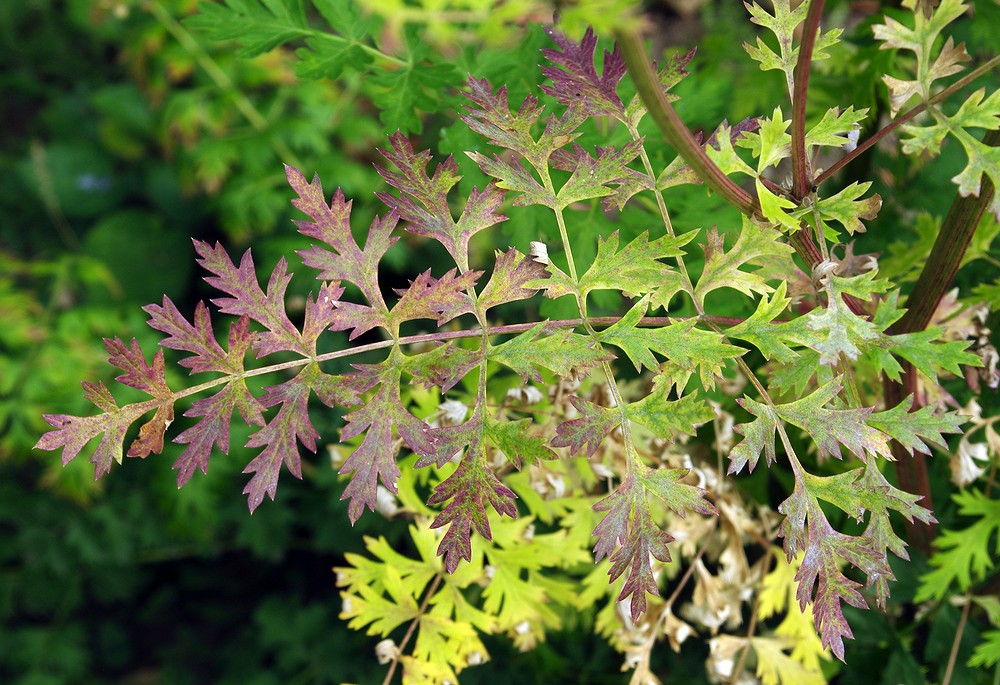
(220, 77)
(800, 166)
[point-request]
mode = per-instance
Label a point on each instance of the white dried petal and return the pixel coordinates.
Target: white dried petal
(602, 471)
(453, 411)
(852, 139)
(964, 469)
(539, 252)
(386, 651)
(386, 502)
(522, 628)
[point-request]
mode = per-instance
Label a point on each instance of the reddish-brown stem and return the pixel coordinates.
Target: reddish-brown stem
(899, 121)
(801, 183)
(674, 130)
(946, 256)
(693, 153)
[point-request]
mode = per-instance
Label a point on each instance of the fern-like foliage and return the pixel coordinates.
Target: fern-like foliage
(821, 348)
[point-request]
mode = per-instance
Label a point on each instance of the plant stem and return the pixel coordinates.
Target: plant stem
(800, 166)
(953, 656)
(413, 624)
(678, 136)
(648, 85)
(946, 256)
(899, 121)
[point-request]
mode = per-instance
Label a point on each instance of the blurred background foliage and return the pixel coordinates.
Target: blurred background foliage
(128, 130)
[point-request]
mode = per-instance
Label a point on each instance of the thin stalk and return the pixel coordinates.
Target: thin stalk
(953, 656)
(801, 182)
(946, 256)
(413, 624)
(220, 77)
(899, 121)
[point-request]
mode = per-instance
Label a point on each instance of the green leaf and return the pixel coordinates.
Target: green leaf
(635, 269)
(669, 418)
(755, 246)
(257, 25)
(841, 330)
(910, 429)
(846, 209)
(761, 331)
(516, 440)
(689, 347)
(560, 351)
(964, 555)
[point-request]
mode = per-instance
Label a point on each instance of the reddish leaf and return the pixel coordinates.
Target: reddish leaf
(375, 458)
(424, 203)
(247, 298)
(444, 366)
(470, 488)
(73, 432)
(198, 338)
(588, 430)
(494, 120)
(575, 79)
(629, 537)
(509, 282)
(138, 374)
(346, 261)
(280, 436)
(213, 428)
(435, 298)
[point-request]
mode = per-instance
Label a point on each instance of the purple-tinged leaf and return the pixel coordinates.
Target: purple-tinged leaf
(320, 314)
(512, 272)
(628, 535)
(669, 76)
(424, 203)
(444, 366)
(575, 79)
(138, 374)
(588, 430)
(375, 458)
(865, 490)
(820, 569)
(213, 428)
(494, 120)
(73, 432)
(247, 298)
(435, 298)
(197, 338)
(793, 528)
(469, 488)
(150, 379)
(331, 224)
(281, 435)
(562, 352)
